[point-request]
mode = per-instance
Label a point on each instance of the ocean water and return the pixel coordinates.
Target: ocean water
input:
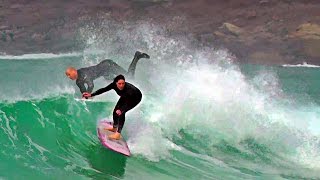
(202, 115)
(196, 122)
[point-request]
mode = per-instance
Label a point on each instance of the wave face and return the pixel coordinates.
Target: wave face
(202, 116)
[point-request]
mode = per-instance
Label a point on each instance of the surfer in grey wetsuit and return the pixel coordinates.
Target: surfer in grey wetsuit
(130, 96)
(106, 68)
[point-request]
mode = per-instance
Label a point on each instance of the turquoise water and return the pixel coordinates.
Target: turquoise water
(204, 121)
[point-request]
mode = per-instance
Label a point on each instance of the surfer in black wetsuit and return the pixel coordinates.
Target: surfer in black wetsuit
(106, 68)
(130, 96)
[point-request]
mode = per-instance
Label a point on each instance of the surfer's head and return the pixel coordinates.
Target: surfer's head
(72, 73)
(120, 81)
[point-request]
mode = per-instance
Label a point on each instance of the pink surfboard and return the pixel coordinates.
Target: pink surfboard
(119, 146)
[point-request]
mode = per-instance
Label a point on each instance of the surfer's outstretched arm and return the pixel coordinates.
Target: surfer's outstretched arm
(102, 90)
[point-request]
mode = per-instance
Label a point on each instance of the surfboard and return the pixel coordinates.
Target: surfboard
(119, 146)
(81, 99)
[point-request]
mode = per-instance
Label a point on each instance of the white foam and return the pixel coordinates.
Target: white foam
(210, 101)
(304, 64)
(40, 56)
(213, 100)
(149, 142)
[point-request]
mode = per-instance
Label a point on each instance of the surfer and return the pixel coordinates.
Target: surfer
(130, 96)
(106, 68)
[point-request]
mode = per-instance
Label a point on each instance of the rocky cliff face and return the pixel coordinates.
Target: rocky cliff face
(255, 31)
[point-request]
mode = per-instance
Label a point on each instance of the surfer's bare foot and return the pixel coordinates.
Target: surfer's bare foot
(115, 136)
(111, 129)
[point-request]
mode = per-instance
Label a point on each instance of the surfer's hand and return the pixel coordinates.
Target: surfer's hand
(118, 112)
(86, 95)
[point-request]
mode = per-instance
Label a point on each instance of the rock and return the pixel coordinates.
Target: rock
(307, 31)
(310, 36)
(16, 6)
(4, 28)
(234, 30)
(271, 57)
(261, 31)
(312, 47)
(275, 18)
(37, 37)
(264, 2)
(251, 14)
(218, 33)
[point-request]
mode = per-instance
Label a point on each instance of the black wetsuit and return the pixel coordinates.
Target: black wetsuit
(130, 96)
(106, 68)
